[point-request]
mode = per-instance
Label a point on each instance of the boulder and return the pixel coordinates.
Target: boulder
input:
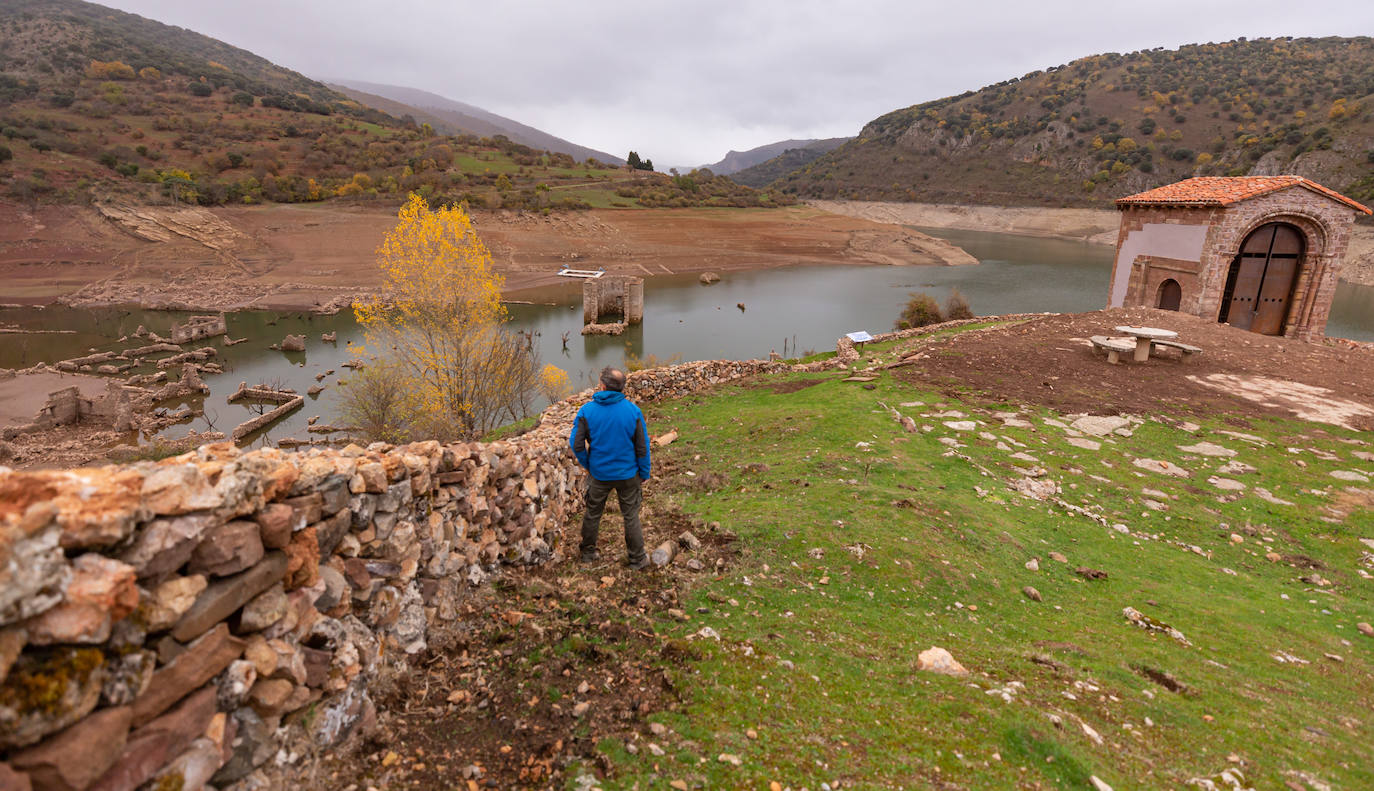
(178, 489)
(293, 343)
(51, 691)
(938, 660)
(151, 746)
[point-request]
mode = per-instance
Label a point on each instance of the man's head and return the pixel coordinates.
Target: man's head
(612, 379)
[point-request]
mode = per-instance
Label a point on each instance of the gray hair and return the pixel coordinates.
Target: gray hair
(613, 379)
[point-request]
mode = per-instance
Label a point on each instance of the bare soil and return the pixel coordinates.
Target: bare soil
(304, 256)
(1049, 361)
(495, 702)
(22, 395)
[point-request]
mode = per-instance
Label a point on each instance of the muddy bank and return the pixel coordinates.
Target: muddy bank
(321, 256)
(1097, 226)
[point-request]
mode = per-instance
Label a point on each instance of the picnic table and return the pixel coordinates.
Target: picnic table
(1144, 337)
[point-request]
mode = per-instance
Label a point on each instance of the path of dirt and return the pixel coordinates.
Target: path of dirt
(1049, 361)
(311, 255)
(1098, 226)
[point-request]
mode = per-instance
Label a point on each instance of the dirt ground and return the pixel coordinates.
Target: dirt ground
(501, 705)
(1098, 226)
(23, 395)
(304, 256)
(1049, 361)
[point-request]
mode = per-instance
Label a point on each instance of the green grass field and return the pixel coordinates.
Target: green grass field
(864, 544)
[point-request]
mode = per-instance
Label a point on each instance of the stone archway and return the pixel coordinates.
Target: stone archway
(1169, 295)
(1263, 278)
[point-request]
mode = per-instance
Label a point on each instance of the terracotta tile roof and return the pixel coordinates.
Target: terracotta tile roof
(1227, 190)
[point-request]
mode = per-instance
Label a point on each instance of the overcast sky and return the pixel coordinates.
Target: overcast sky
(684, 82)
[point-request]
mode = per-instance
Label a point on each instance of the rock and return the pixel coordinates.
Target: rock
(688, 541)
(227, 549)
(1090, 574)
(178, 489)
(581, 708)
(1350, 475)
(1084, 443)
(253, 744)
(1036, 488)
(269, 696)
(200, 662)
(222, 597)
(165, 545)
(79, 755)
(1161, 467)
(67, 681)
(1365, 629)
(264, 610)
(150, 747)
(1150, 624)
(234, 684)
(11, 780)
(192, 769)
(1100, 426)
(938, 660)
(126, 676)
(161, 607)
(96, 508)
(12, 642)
(330, 531)
(1031, 593)
(307, 509)
(33, 568)
(101, 591)
(275, 524)
(961, 425)
(1236, 467)
(293, 343)
(1058, 557)
(663, 554)
(303, 559)
(730, 758)
(1033, 564)
(1098, 784)
(336, 589)
(1226, 484)
(1207, 449)
(709, 277)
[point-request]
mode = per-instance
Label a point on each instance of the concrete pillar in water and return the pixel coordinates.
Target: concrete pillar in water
(613, 294)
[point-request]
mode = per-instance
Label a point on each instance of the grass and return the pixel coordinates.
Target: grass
(856, 557)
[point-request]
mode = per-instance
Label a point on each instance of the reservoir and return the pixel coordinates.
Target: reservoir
(796, 310)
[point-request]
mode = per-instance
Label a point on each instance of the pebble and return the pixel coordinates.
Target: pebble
(1033, 564)
(1058, 557)
(1365, 629)
(729, 758)
(581, 708)
(1031, 593)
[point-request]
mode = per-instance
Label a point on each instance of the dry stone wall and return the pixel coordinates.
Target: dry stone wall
(160, 622)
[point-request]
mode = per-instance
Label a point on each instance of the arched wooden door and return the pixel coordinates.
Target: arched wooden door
(1259, 287)
(1170, 295)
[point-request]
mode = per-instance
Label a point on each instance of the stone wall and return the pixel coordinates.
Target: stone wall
(608, 294)
(160, 621)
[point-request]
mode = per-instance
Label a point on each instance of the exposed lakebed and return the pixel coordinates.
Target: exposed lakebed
(795, 310)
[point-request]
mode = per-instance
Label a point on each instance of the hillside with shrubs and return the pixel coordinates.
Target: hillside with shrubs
(97, 104)
(1109, 125)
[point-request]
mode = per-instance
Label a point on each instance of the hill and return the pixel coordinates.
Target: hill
(1108, 125)
(101, 106)
(764, 173)
(735, 161)
(453, 117)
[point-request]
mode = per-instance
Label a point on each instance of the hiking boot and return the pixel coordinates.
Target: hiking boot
(591, 557)
(637, 565)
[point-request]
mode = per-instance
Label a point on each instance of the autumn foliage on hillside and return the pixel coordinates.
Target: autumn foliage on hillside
(1111, 124)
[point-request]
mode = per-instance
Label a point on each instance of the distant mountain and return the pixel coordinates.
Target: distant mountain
(767, 172)
(454, 117)
(1110, 125)
(736, 161)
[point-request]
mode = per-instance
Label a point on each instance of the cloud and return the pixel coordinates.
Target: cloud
(685, 82)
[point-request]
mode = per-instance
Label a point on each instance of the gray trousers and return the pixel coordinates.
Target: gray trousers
(630, 497)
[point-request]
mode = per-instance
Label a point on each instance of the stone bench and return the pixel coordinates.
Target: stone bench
(1115, 347)
(1187, 351)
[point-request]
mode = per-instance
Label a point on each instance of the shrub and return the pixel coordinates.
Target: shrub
(5, 154)
(200, 89)
(956, 306)
(109, 70)
(920, 310)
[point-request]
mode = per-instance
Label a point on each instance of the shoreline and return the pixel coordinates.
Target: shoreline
(1093, 226)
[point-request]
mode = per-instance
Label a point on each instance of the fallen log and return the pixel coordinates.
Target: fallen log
(664, 553)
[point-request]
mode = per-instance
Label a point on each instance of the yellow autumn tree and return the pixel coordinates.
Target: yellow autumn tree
(437, 328)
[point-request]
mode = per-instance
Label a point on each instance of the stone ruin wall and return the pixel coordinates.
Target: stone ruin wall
(160, 621)
(622, 294)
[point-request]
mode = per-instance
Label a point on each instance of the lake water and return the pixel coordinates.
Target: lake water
(793, 309)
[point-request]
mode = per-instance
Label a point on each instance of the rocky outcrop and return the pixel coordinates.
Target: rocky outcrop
(161, 621)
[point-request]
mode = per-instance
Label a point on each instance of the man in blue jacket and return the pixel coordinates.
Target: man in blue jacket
(609, 438)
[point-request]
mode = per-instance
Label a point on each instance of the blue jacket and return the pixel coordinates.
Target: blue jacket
(610, 438)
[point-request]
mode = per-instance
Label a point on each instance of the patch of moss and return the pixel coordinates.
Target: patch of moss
(170, 782)
(39, 682)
